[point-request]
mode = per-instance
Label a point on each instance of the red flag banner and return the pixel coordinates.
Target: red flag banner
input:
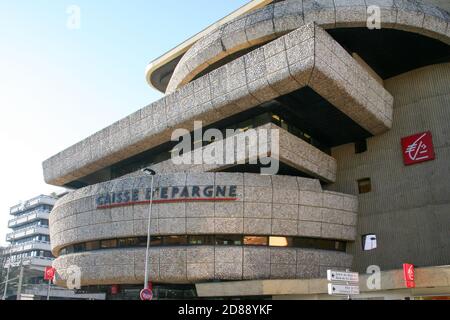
(409, 275)
(49, 273)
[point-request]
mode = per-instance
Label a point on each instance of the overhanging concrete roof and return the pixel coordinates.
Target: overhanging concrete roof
(176, 53)
(297, 60)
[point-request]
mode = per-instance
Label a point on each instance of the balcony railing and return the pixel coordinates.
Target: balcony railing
(30, 261)
(29, 246)
(26, 232)
(32, 203)
(29, 217)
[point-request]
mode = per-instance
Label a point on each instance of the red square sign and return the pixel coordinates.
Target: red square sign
(418, 148)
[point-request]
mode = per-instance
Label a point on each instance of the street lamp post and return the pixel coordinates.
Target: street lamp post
(151, 173)
(7, 273)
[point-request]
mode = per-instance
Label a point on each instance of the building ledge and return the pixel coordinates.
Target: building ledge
(426, 278)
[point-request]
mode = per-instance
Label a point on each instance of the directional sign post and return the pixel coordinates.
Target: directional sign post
(49, 275)
(343, 283)
(342, 276)
(342, 289)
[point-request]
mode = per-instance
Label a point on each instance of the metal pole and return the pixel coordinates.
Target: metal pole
(148, 236)
(7, 273)
(48, 290)
(19, 287)
(6, 283)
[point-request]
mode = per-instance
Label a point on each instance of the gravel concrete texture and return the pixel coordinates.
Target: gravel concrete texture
(307, 56)
(265, 205)
(193, 264)
(279, 18)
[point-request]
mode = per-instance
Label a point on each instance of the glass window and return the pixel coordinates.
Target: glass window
(228, 240)
(256, 241)
(281, 242)
(246, 125)
(201, 240)
(174, 240)
(79, 248)
(154, 241)
(128, 242)
(361, 146)
(108, 244)
(93, 245)
(369, 242)
(364, 186)
(340, 246)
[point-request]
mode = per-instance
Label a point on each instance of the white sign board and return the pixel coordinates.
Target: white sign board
(347, 290)
(340, 276)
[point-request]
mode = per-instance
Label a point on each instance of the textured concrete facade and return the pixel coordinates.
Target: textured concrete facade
(292, 69)
(277, 206)
(200, 264)
(289, 150)
(307, 57)
(269, 22)
(408, 208)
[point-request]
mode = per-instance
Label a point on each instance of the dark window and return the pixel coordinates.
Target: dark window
(320, 244)
(361, 146)
(201, 240)
(174, 240)
(228, 240)
(93, 245)
(109, 244)
(221, 240)
(79, 248)
(364, 185)
(154, 241)
(128, 242)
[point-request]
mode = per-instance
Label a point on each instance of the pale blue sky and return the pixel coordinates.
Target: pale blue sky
(58, 86)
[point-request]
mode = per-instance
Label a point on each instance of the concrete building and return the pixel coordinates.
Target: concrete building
(30, 251)
(30, 236)
(363, 149)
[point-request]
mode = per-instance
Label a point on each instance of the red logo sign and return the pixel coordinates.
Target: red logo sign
(409, 275)
(114, 289)
(418, 148)
(146, 295)
(49, 273)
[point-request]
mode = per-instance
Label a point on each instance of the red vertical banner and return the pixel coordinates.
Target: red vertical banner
(409, 275)
(49, 273)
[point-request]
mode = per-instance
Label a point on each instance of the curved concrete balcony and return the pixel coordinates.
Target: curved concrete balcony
(194, 264)
(285, 148)
(273, 20)
(307, 58)
(261, 205)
